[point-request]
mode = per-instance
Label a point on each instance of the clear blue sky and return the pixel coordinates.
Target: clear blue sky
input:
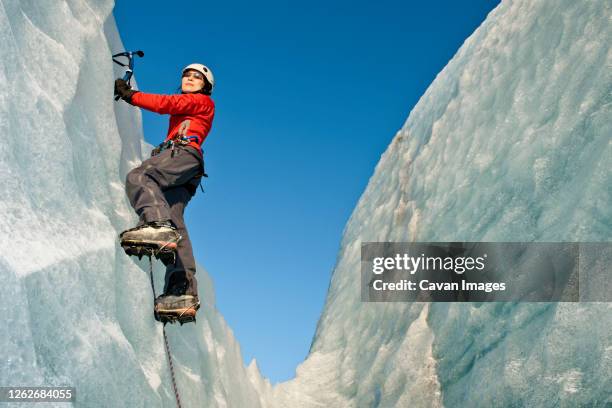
(308, 96)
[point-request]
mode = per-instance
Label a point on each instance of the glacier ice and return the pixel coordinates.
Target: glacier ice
(75, 310)
(511, 142)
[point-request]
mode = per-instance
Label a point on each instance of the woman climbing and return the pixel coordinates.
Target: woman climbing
(160, 188)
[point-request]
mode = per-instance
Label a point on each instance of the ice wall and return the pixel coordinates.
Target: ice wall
(511, 142)
(75, 310)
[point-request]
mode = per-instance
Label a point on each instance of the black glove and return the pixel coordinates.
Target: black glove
(123, 90)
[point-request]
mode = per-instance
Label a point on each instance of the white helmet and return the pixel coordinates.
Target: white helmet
(204, 70)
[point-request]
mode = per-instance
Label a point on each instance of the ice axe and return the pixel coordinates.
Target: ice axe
(130, 64)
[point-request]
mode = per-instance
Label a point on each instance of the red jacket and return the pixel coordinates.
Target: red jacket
(190, 114)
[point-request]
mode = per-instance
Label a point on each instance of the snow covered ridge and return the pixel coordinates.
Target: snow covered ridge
(510, 143)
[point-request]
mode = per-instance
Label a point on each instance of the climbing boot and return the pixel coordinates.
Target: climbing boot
(173, 308)
(155, 238)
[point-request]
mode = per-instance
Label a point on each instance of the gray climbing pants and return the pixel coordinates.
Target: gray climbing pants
(159, 190)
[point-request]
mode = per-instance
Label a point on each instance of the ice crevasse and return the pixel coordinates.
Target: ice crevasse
(511, 142)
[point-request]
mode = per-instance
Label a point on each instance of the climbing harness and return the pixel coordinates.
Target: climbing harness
(171, 144)
(166, 345)
(180, 141)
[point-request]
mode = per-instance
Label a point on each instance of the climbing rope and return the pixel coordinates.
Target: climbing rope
(151, 274)
(167, 346)
(176, 394)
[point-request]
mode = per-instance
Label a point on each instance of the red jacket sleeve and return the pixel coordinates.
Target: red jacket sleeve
(183, 104)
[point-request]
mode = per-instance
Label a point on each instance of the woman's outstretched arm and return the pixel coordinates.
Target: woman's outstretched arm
(183, 104)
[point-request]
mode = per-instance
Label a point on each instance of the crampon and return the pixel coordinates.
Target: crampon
(158, 239)
(166, 253)
(181, 312)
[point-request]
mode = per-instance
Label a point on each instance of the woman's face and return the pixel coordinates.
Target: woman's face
(192, 81)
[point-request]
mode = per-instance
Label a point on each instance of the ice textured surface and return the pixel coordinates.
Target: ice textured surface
(75, 309)
(511, 142)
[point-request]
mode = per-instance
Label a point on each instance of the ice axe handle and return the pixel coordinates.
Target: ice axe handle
(130, 65)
